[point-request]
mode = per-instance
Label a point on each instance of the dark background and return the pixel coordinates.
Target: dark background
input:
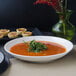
(22, 13)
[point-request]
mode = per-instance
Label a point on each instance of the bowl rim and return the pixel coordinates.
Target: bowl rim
(13, 54)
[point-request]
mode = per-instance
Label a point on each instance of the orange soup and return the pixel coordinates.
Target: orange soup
(53, 48)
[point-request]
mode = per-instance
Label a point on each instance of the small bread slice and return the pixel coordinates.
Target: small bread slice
(20, 30)
(13, 34)
(26, 34)
(4, 31)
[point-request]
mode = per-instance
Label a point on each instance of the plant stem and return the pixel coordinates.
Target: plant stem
(66, 5)
(61, 4)
(64, 28)
(65, 11)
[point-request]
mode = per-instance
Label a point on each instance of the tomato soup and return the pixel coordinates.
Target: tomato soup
(53, 48)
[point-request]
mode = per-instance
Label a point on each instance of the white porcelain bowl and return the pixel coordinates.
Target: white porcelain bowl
(67, 44)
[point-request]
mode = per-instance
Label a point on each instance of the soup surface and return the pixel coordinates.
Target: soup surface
(53, 48)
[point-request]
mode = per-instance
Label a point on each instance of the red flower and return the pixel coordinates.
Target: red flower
(56, 4)
(43, 2)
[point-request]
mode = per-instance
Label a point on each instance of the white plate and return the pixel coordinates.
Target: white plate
(67, 44)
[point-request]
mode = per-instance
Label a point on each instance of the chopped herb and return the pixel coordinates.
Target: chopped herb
(24, 42)
(36, 46)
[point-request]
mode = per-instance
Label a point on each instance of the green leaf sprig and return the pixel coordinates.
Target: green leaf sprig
(36, 46)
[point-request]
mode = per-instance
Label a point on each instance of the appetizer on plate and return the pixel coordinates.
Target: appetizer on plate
(20, 30)
(7, 33)
(13, 34)
(26, 34)
(4, 31)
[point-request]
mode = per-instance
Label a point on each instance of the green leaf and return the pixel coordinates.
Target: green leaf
(36, 46)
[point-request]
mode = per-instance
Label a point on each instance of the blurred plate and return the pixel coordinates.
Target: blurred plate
(4, 62)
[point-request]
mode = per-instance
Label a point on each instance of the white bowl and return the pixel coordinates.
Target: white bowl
(67, 44)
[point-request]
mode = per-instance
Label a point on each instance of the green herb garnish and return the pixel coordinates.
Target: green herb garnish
(24, 42)
(36, 46)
